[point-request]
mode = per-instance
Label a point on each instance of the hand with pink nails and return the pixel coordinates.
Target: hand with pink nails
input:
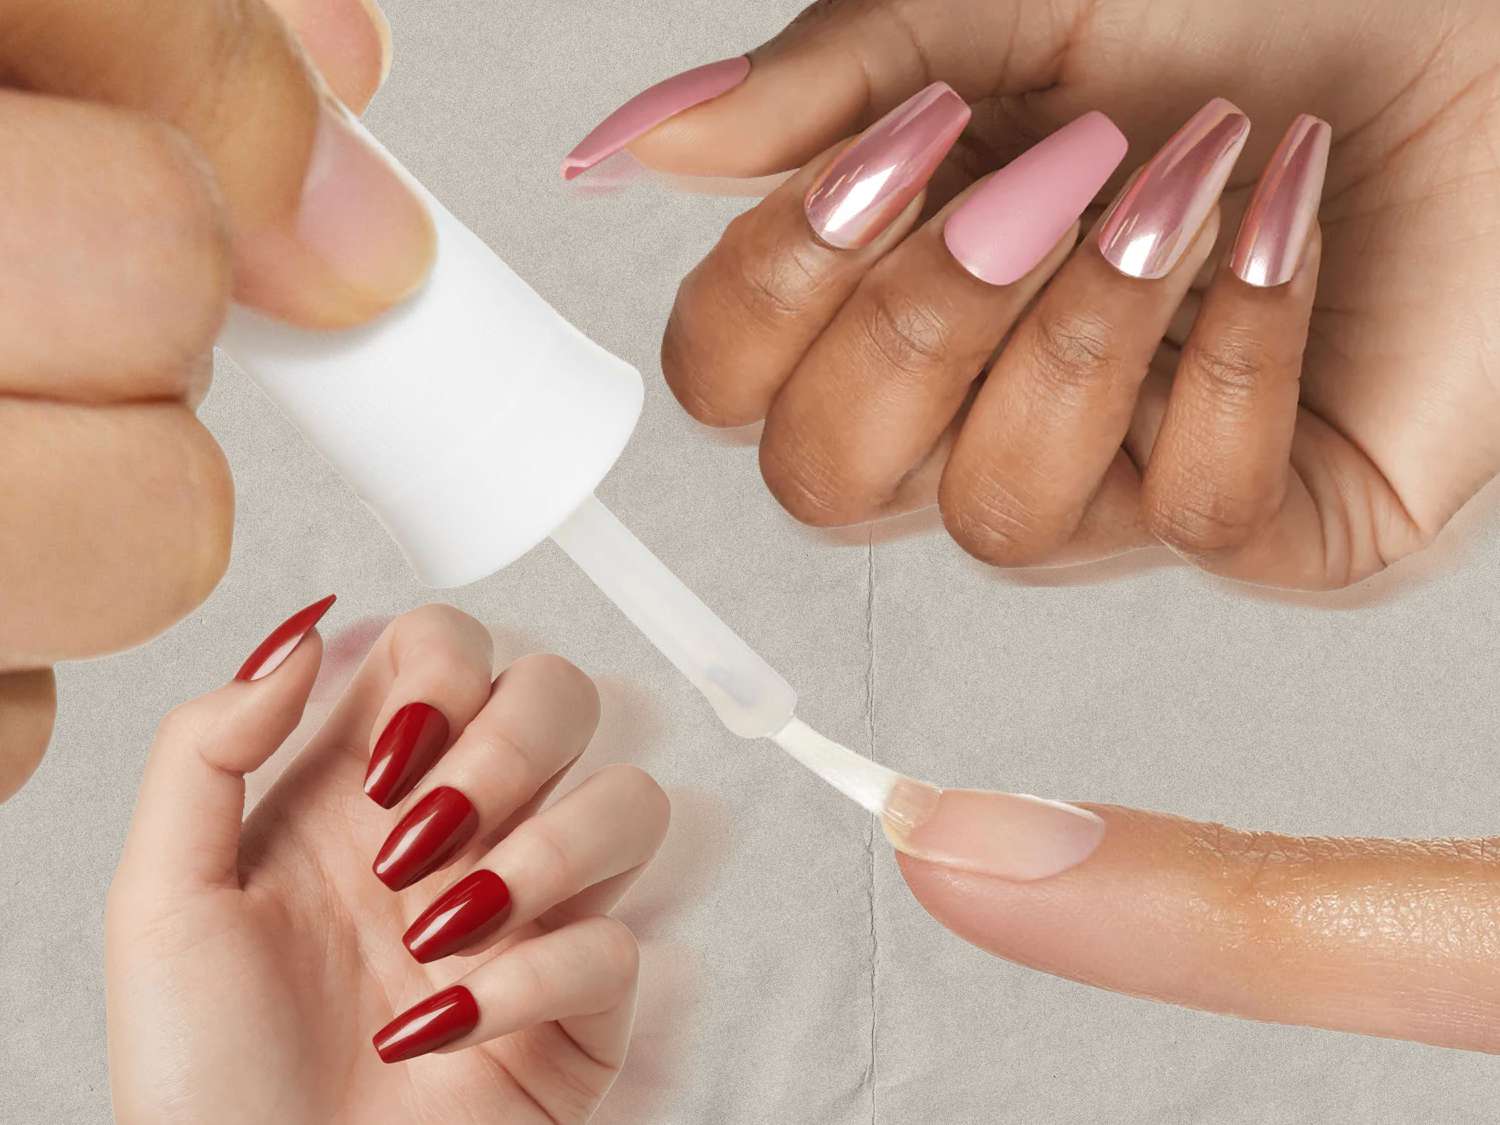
(405, 928)
(1105, 274)
(162, 158)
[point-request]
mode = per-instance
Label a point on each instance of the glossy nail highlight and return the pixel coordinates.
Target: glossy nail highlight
(1282, 212)
(1010, 222)
(435, 1022)
(651, 107)
(359, 218)
(1150, 226)
(476, 905)
(875, 177)
(1007, 835)
(404, 752)
(428, 836)
(272, 652)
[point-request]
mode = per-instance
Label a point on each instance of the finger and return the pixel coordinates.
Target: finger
(538, 720)
(834, 70)
(1385, 937)
(880, 385)
(185, 833)
(613, 823)
(750, 310)
(28, 705)
(1218, 486)
(1046, 429)
(118, 277)
(582, 977)
(323, 231)
(349, 41)
(93, 559)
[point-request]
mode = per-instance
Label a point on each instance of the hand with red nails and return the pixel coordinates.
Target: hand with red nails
(1287, 379)
(161, 158)
(249, 967)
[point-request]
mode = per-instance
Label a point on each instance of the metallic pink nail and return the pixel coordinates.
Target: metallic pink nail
(1011, 221)
(651, 107)
(1150, 226)
(874, 179)
(1280, 218)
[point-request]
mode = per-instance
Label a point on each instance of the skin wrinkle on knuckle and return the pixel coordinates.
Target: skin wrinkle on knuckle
(907, 336)
(1072, 355)
(811, 488)
(992, 522)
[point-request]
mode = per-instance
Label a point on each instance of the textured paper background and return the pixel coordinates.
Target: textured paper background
(788, 975)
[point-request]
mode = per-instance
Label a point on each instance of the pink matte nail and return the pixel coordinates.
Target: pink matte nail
(651, 107)
(1148, 229)
(873, 179)
(1010, 222)
(1006, 835)
(1277, 224)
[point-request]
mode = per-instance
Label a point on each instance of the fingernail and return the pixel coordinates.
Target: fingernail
(435, 1022)
(1006, 835)
(1011, 221)
(651, 107)
(1154, 220)
(404, 752)
(1277, 224)
(474, 906)
(359, 218)
(873, 179)
(427, 837)
(273, 651)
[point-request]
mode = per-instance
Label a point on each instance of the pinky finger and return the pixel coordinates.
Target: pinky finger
(582, 977)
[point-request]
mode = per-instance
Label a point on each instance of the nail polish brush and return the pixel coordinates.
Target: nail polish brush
(474, 421)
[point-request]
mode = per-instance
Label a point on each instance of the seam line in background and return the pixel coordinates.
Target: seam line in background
(870, 839)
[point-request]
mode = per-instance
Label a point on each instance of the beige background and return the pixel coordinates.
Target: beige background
(788, 975)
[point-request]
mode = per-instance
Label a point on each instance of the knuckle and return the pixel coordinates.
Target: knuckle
(643, 794)
(207, 532)
(617, 949)
(807, 483)
(693, 376)
(1072, 352)
(1230, 368)
(994, 524)
(1205, 524)
(548, 851)
(908, 337)
(562, 677)
(771, 284)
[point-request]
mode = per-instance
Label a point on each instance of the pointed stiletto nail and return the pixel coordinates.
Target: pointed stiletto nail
(405, 751)
(428, 836)
(1007, 835)
(433, 1023)
(1011, 221)
(1281, 215)
(1154, 220)
(651, 107)
(476, 905)
(875, 177)
(273, 651)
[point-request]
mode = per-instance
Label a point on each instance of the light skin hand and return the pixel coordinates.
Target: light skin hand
(163, 157)
(247, 968)
(1307, 470)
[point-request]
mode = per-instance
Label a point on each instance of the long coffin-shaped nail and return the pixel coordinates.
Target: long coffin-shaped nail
(1154, 220)
(476, 905)
(876, 176)
(435, 1022)
(427, 837)
(1002, 834)
(1010, 222)
(651, 107)
(1280, 218)
(404, 752)
(273, 651)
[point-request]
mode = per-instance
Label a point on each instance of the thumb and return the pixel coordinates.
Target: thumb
(323, 231)
(1399, 938)
(185, 834)
(836, 68)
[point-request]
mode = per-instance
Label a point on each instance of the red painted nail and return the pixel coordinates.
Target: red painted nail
(406, 749)
(440, 1019)
(476, 905)
(282, 641)
(427, 837)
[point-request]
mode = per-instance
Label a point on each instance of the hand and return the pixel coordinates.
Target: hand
(856, 326)
(1399, 938)
(246, 970)
(161, 157)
